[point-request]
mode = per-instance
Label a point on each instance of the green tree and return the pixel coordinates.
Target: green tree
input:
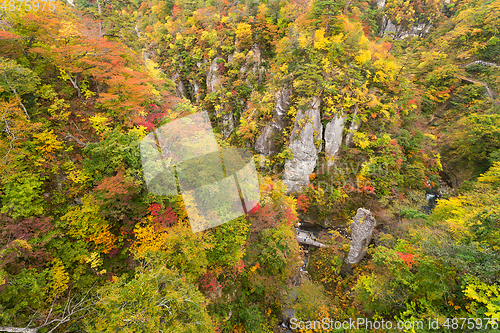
(23, 195)
(155, 299)
(17, 80)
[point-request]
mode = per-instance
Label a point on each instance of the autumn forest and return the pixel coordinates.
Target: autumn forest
(374, 127)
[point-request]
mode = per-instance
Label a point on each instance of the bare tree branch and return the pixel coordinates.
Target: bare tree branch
(17, 95)
(18, 329)
(76, 139)
(71, 311)
(75, 85)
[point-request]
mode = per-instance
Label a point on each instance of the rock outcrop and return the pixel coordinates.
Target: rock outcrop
(213, 79)
(305, 144)
(361, 235)
(180, 88)
(254, 58)
(227, 123)
(388, 27)
(333, 137)
(481, 63)
(353, 128)
(226, 116)
(266, 142)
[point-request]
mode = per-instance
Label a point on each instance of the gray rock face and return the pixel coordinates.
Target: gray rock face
(196, 91)
(213, 83)
(180, 89)
(253, 66)
(390, 28)
(254, 57)
(265, 143)
(227, 124)
(416, 30)
(306, 133)
(387, 27)
(213, 80)
(333, 137)
(353, 128)
(361, 235)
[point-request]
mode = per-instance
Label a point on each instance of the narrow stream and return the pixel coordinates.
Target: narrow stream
(289, 313)
(431, 197)
(317, 230)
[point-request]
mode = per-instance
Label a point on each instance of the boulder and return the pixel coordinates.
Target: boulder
(361, 235)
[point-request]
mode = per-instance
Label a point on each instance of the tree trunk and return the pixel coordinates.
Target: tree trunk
(76, 139)
(100, 23)
(347, 6)
(75, 85)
